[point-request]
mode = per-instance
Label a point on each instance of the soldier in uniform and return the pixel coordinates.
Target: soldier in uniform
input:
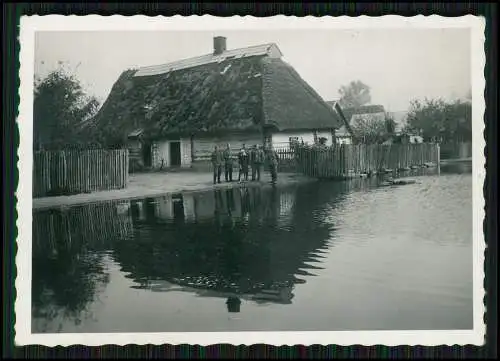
(228, 164)
(252, 159)
(243, 162)
(258, 160)
(217, 164)
(272, 158)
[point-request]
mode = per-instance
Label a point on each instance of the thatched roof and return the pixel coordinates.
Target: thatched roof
(291, 103)
(231, 94)
(203, 99)
(258, 50)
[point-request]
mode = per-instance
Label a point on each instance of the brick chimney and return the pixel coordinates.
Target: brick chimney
(219, 45)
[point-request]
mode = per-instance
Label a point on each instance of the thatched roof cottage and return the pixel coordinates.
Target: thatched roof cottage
(174, 114)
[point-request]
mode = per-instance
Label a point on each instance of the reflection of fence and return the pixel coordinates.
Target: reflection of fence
(94, 225)
(342, 160)
(78, 171)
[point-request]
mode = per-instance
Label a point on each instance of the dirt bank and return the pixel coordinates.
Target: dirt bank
(154, 184)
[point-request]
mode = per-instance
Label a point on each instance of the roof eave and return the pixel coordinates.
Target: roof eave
(274, 45)
(298, 129)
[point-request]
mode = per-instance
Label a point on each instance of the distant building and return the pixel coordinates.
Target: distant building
(401, 120)
(174, 114)
(374, 112)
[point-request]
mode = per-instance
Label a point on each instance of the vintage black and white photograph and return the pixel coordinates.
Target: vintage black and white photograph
(275, 180)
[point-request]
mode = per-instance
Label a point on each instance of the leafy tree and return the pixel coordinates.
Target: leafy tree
(436, 119)
(60, 107)
(354, 95)
(371, 129)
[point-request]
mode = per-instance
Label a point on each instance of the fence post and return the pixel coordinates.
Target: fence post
(438, 156)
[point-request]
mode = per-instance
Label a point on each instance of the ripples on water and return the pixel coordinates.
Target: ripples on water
(323, 256)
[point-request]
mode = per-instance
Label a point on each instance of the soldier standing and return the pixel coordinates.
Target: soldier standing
(253, 161)
(272, 157)
(259, 160)
(243, 161)
(228, 164)
(217, 164)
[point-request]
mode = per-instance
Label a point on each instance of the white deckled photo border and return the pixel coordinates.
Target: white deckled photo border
(29, 25)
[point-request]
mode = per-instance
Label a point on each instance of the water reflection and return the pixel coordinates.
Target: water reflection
(242, 243)
(243, 246)
(457, 167)
(68, 250)
(247, 243)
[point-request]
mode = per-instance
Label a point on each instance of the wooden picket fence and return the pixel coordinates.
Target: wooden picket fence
(79, 171)
(286, 159)
(344, 160)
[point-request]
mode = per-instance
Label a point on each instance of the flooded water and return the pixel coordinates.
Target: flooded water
(323, 256)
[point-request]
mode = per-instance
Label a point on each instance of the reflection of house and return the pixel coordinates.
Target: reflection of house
(171, 207)
(255, 257)
(174, 114)
(233, 202)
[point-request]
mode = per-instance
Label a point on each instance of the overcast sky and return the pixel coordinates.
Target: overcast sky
(398, 64)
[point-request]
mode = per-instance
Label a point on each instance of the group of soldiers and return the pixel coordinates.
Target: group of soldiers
(254, 158)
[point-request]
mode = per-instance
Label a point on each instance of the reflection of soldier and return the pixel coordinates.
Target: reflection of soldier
(219, 206)
(230, 199)
(228, 164)
(233, 304)
(217, 164)
(272, 208)
(275, 200)
(245, 201)
(228, 214)
(257, 204)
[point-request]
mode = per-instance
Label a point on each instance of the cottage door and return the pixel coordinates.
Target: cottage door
(175, 154)
(147, 156)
